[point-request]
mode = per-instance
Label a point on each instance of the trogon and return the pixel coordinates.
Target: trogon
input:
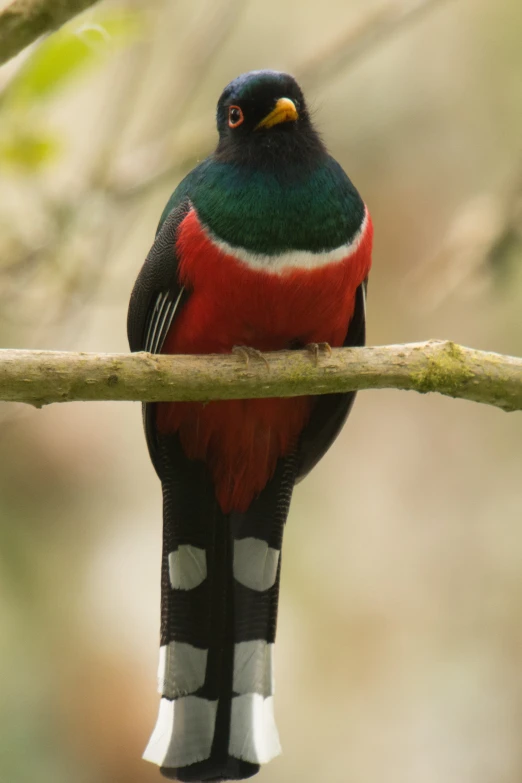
(265, 245)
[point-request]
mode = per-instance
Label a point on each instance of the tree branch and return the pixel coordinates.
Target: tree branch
(43, 377)
(23, 21)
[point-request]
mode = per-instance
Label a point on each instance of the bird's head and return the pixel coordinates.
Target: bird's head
(262, 116)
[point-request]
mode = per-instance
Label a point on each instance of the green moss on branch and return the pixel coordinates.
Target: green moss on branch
(445, 372)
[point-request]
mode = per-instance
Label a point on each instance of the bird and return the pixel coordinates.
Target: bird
(265, 245)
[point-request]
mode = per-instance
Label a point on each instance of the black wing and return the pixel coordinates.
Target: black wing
(331, 410)
(156, 293)
(156, 298)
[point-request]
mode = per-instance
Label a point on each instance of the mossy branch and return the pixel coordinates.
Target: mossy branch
(23, 21)
(43, 377)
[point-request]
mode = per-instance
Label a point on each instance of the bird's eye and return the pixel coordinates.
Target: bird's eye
(235, 116)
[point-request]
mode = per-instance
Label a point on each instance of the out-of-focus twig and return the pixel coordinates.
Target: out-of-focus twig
(43, 377)
(510, 235)
(359, 38)
(206, 38)
(128, 186)
(481, 242)
(23, 21)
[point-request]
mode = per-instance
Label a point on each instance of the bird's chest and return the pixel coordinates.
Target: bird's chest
(237, 298)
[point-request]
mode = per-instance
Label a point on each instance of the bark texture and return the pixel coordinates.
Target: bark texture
(43, 377)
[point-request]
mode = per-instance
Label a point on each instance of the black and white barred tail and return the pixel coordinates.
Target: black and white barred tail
(220, 586)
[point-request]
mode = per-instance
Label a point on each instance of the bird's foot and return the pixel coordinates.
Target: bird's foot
(316, 348)
(247, 353)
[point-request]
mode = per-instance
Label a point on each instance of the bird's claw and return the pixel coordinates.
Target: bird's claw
(316, 348)
(247, 353)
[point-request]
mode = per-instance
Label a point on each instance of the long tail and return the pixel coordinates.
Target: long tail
(220, 587)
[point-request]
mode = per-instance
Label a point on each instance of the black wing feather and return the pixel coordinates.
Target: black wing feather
(156, 298)
(157, 289)
(331, 410)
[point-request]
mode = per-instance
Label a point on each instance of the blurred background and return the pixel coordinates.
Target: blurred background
(399, 654)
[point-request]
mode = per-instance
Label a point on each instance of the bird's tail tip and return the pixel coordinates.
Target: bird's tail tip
(182, 743)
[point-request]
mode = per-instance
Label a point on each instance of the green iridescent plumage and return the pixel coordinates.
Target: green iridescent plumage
(273, 211)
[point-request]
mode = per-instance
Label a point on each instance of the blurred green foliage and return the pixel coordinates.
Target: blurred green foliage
(55, 63)
(26, 150)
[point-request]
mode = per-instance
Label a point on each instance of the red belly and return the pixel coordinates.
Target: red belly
(231, 304)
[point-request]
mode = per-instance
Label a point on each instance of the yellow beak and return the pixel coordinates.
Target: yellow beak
(284, 111)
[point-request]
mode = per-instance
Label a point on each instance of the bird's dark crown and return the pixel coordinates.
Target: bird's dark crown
(251, 98)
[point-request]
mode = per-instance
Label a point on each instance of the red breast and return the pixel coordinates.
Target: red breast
(233, 303)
